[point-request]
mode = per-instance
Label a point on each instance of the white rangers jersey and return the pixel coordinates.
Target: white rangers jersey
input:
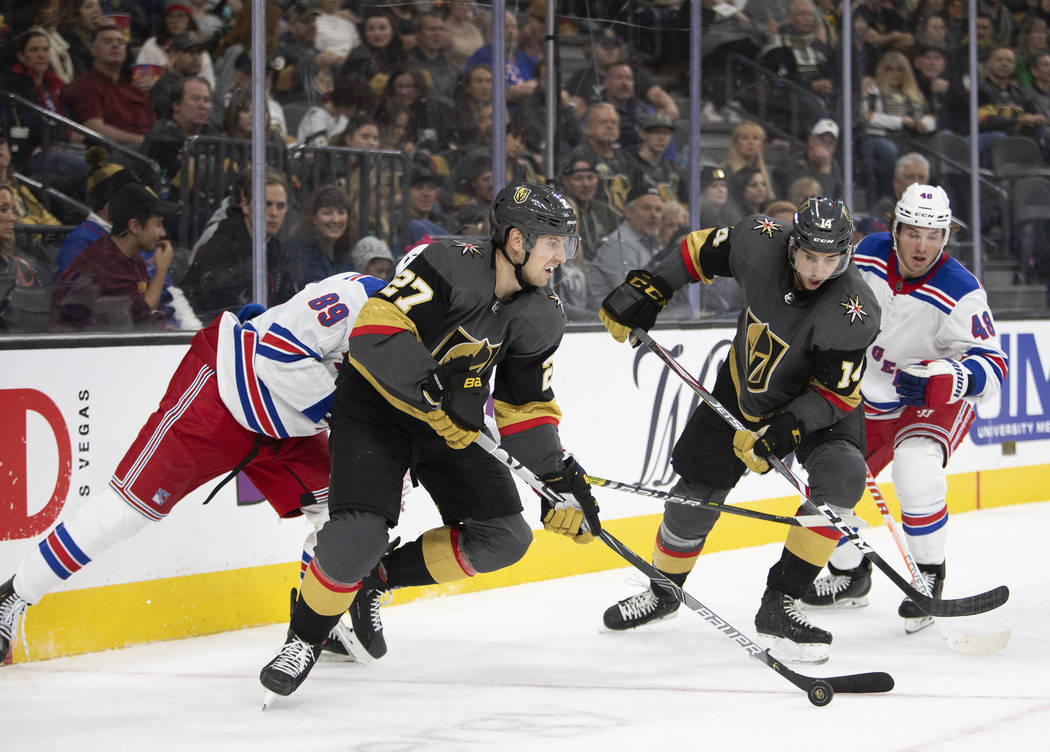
(276, 372)
(943, 314)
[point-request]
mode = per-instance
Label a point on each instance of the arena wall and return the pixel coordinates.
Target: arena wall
(70, 412)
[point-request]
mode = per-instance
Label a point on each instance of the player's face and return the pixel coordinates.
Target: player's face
(548, 254)
(813, 268)
(917, 249)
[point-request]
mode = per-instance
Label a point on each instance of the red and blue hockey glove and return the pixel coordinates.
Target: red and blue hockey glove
(933, 383)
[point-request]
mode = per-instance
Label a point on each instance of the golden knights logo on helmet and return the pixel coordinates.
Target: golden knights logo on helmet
(459, 344)
(522, 195)
(764, 351)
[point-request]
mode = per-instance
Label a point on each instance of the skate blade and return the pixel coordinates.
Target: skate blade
(976, 643)
(783, 649)
(911, 626)
(269, 698)
(843, 605)
(355, 651)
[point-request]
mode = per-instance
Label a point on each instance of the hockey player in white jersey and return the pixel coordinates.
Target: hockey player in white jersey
(250, 395)
(937, 355)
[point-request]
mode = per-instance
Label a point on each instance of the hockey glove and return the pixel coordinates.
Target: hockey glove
(461, 395)
(566, 517)
(775, 439)
(635, 303)
(249, 311)
(933, 383)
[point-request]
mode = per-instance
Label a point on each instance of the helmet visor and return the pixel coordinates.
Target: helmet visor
(564, 245)
(817, 263)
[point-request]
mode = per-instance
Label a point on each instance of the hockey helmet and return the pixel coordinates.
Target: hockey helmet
(535, 210)
(823, 225)
(923, 206)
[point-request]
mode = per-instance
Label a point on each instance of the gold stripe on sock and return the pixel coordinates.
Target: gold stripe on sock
(673, 562)
(325, 596)
(441, 554)
(812, 547)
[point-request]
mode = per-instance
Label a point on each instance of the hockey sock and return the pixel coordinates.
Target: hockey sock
(674, 555)
(309, 624)
(846, 556)
(436, 556)
(926, 532)
(806, 551)
(101, 522)
(317, 515)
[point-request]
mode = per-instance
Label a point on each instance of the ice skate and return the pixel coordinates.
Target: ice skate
(915, 619)
(12, 610)
(842, 588)
(289, 668)
(652, 604)
(788, 635)
(360, 629)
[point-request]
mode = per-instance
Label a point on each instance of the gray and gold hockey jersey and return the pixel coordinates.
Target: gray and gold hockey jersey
(795, 351)
(441, 305)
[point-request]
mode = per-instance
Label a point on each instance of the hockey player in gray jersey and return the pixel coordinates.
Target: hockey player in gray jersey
(792, 375)
(412, 394)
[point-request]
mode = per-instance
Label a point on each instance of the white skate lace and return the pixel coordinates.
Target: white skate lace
(929, 578)
(378, 600)
(831, 584)
(638, 605)
(792, 611)
(12, 619)
(295, 657)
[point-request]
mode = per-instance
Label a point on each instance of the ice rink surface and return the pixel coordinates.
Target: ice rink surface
(531, 668)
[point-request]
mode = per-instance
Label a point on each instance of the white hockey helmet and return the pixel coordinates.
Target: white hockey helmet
(923, 206)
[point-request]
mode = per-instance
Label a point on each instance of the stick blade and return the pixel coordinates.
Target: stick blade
(976, 643)
(974, 604)
(872, 681)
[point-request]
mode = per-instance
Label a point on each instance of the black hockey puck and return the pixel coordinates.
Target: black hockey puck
(820, 693)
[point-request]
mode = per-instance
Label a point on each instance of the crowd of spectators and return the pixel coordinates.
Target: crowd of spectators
(416, 78)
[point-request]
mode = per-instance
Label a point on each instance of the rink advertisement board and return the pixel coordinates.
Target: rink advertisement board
(70, 414)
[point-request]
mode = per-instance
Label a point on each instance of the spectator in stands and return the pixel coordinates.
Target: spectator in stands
(474, 89)
(308, 74)
(111, 266)
(767, 14)
(945, 95)
(596, 219)
(185, 59)
(190, 110)
(209, 25)
(336, 31)
(651, 163)
(618, 86)
(817, 161)
(237, 43)
(430, 120)
(394, 118)
(32, 79)
(910, 168)
(424, 216)
(746, 144)
(782, 211)
(631, 246)
(986, 42)
(615, 168)
(1004, 22)
(888, 27)
(522, 167)
(797, 50)
(28, 209)
(323, 122)
(530, 35)
(463, 25)
(473, 193)
(429, 55)
(155, 55)
(99, 100)
(1030, 42)
(104, 179)
(585, 85)
(78, 28)
(371, 255)
(892, 109)
(1002, 108)
(532, 115)
(933, 31)
(220, 277)
(748, 191)
(311, 253)
(42, 16)
(715, 209)
(1038, 92)
(381, 52)
(361, 133)
(520, 67)
(802, 189)
(16, 271)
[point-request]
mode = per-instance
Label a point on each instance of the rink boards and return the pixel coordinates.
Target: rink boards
(70, 413)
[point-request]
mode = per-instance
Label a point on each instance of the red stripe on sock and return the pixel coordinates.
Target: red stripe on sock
(461, 558)
(330, 584)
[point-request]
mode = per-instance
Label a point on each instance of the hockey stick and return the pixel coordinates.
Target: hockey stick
(820, 691)
(810, 520)
(974, 604)
(961, 642)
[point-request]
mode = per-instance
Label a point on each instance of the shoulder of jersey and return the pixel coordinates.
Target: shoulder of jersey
(851, 302)
(759, 230)
(873, 253)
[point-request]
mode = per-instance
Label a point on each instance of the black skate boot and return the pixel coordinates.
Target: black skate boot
(842, 588)
(12, 608)
(652, 604)
(790, 636)
(915, 618)
(360, 630)
(290, 666)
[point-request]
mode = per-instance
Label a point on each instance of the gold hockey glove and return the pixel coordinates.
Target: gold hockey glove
(567, 517)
